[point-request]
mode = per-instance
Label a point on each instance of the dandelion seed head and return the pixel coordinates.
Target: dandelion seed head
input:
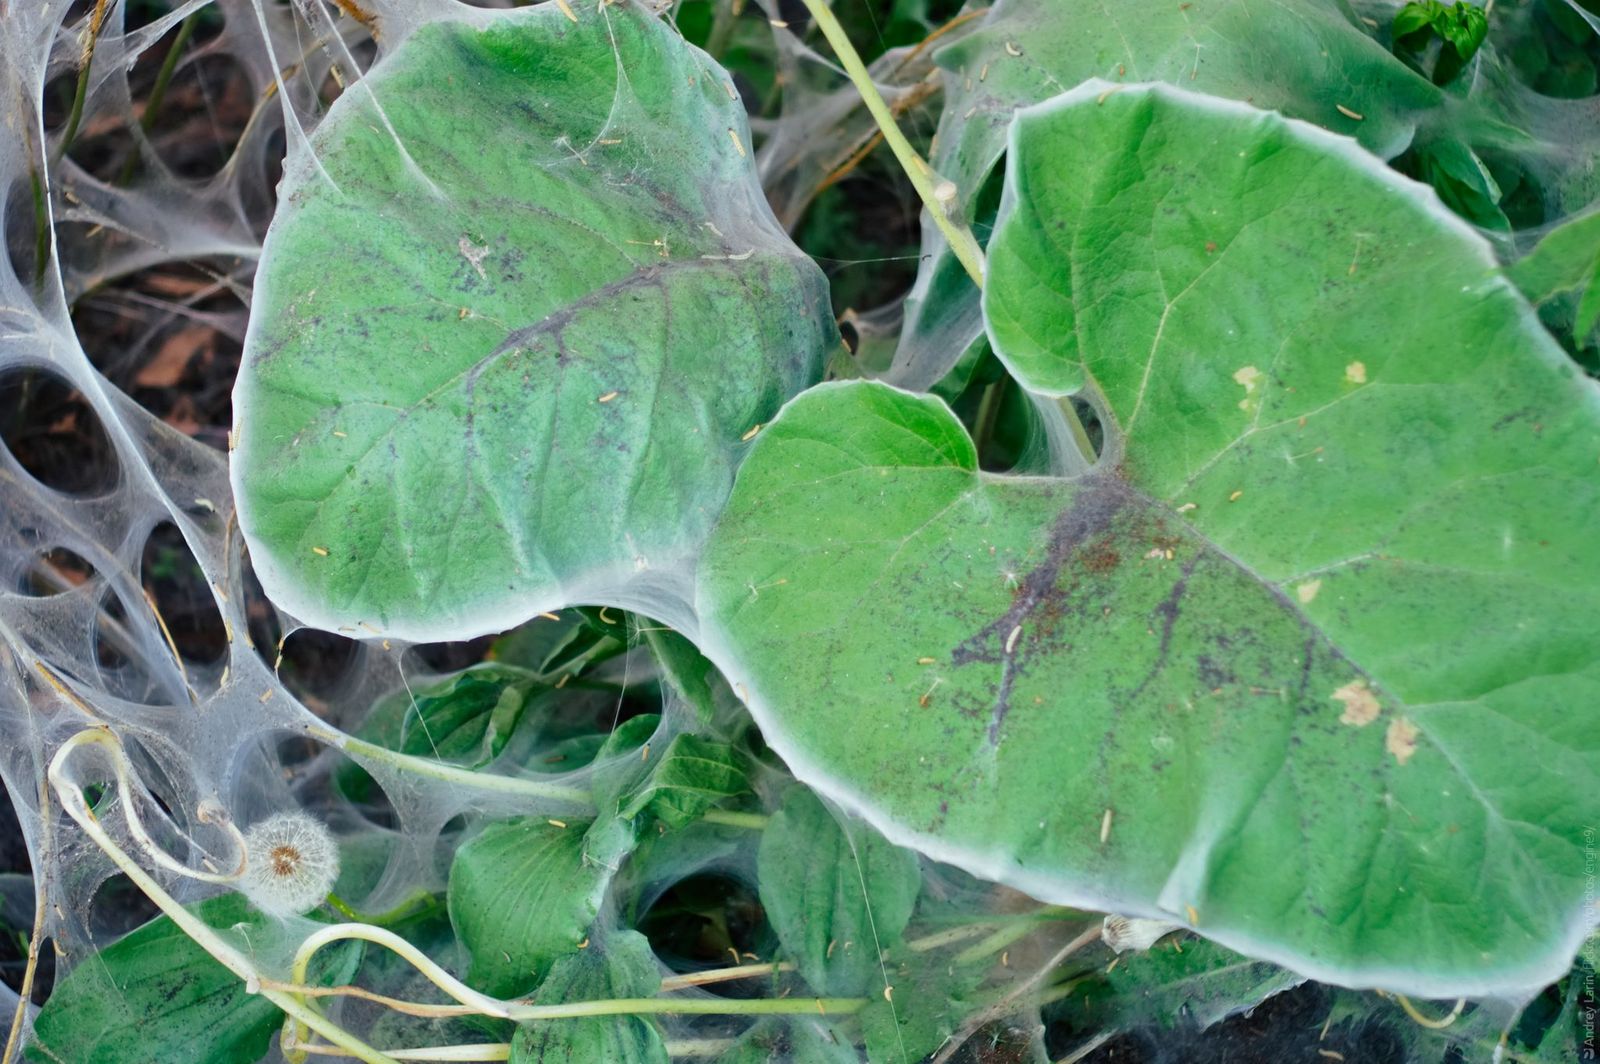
(291, 863)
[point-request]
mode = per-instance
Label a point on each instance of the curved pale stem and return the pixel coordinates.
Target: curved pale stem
(422, 766)
(1427, 1021)
(488, 781)
(207, 939)
(453, 987)
(130, 811)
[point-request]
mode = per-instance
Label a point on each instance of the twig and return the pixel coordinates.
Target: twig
(166, 633)
(916, 94)
(922, 45)
(722, 975)
(1428, 1022)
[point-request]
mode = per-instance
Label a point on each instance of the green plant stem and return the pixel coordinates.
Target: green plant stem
(158, 91)
(493, 1051)
(1080, 435)
(471, 1001)
(972, 929)
(961, 240)
(485, 781)
(698, 1047)
(489, 781)
(1008, 934)
(97, 19)
(948, 937)
(722, 23)
(988, 412)
(693, 1007)
(993, 943)
(473, 1052)
(417, 901)
(41, 238)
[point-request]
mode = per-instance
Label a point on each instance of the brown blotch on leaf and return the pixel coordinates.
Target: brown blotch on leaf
(1100, 558)
(1360, 704)
(1401, 740)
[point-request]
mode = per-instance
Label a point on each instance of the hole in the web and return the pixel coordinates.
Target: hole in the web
(120, 650)
(201, 115)
(173, 580)
(314, 665)
(52, 432)
(169, 336)
(56, 103)
(705, 920)
(54, 571)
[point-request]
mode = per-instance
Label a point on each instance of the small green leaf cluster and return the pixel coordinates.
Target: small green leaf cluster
(1459, 28)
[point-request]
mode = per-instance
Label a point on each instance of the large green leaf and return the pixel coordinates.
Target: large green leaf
(521, 304)
(674, 781)
(155, 996)
(523, 894)
(1306, 662)
(837, 899)
(932, 1001)
(617, 965)
(1306, 58)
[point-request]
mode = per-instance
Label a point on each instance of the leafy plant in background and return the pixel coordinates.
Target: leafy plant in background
(1459, 29)
(1193, 549)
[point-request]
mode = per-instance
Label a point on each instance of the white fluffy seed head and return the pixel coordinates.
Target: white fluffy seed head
(291, 863)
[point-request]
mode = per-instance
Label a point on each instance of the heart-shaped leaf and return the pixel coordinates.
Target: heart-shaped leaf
(522, 303)
(1306, 58)
(1261, 670)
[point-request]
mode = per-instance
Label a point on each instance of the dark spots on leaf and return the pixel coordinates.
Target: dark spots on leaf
(1171, 608)
(1512, 418)
(1086, 521)
(1214, 674)
(1101, 558)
